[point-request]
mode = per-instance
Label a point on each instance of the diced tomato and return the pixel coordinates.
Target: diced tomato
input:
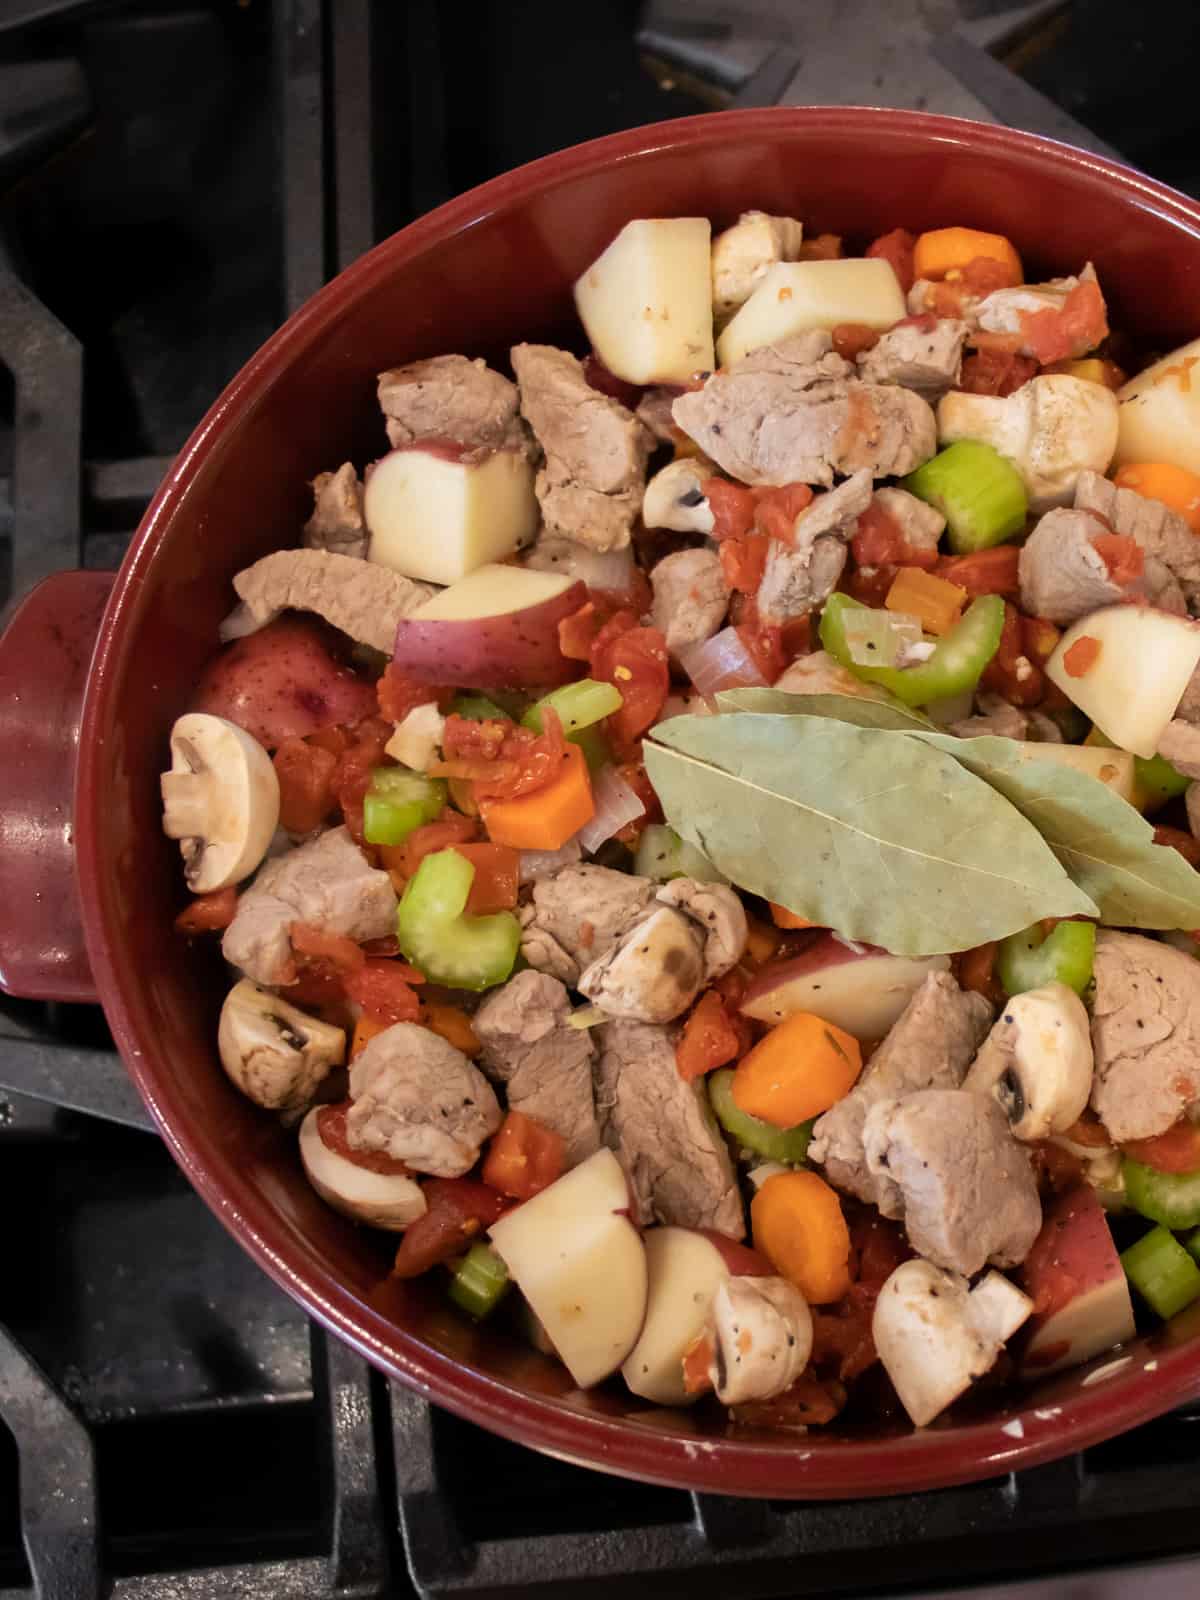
(335, 740)
(605, 382)
(763, 640)
(991, 571)
(1039, 638)
(869, 585)
(494, 887)
(1078, 326)
(810, 1402)
(732, 507)
(398, 695)
(208, 913)
(352, 776)
(315, 944)
(897, 248)
(880, 541)
(977, 971)
(821, 247)
(458, 1209)
(977, 279)
(365, 1029)
(743, 561)
(452, 1025)
(999, 372)
(851, 339)
(1177, 839)
(1010, 672)
(634, 774)
(1177, 1150)
(1082, 656)
(305, 773)
(1122, 555)
(524, 1157)
(709, 1038)
(331, 1125)
(384, 990)
(503, 760)
(777, 510)
(450, 828)
(634, 660)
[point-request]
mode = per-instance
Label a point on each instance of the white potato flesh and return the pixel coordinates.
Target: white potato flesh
(436, 519)
(1159, 411)
(1112, 767)
(684, 1271)
(578, 1260)
(1136, 680)
(646, 303)
(492, 591)
(796, 296)
(1051, 428)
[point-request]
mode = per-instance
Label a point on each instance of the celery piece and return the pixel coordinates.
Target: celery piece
(1162, 1272)
(480, 1281)
(399, 801)
(788, 1145)
(475, 707)
(955, 664)
(879, 638)
(1028, 960)
(663, 855)
(437, 936)
(578, 704)
(978, 491)
(1172, 1198)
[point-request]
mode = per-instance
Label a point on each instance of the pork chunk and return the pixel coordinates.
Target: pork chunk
(663, 1132)
(793, 413)
(801, 575)
(529, 1045)
(921, 524)
(327, 883)
(1192, 801)
(578, 915)
(930, 1046)
(993, 715)
(363, 599)
(927, 360)
(590, 488)
(537, 864)
(1180, 745)
(451, 397)
(337, 522)
(417, 1099)
(1062, 574)
(946, 1162)
(1005, 310)
(690, 597)
(1163, 535)
(654, 410)
(1145, 1034)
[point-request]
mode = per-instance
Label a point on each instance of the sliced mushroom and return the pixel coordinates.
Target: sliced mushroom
(380, 1199)
(675, 499)
(935, 1336)
(743, 254)
(1037, 1061)
(718, 913)
(762, 1335)
(653, 974)
(220, 800)
(275, 1054)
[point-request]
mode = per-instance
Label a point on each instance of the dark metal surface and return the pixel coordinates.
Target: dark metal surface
(91, 1081)
(43, 104)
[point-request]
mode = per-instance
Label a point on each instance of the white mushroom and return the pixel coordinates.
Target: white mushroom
(381, 1199)
(653, 974)
(418, 738)
(275, 1054)
(762, 1335)
(220, 800)
(675, 499)
(1037, 1061)
(743, 254)
(935, 1337)
(1051, 428)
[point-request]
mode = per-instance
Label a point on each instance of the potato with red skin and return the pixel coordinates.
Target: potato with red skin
(283, 682)
(1074, 1276)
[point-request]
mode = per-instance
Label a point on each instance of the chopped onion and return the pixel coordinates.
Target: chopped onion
(616, 804)
(913, 654)
(722, 662)
(880, 638)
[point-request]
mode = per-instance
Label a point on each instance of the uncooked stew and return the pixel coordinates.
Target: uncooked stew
(703, 834)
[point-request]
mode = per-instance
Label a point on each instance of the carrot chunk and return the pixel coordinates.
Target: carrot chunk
(802, 1067)
(546, 819)
(946, 250)
(798, 1225)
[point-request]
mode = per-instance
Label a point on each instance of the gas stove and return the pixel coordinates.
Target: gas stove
(174, 179)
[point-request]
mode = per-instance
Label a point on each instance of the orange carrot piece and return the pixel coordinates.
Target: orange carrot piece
(524, 1158)
(453, 1025)
(697, 1359)
(935, 602)
(783, 918)
(946, 250)
(762, 940)
(798, 1225)
(546, 819)
(1162, 480)
(365, 1030)
(801, 1068)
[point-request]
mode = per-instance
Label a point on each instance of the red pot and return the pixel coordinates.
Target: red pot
(491, 267)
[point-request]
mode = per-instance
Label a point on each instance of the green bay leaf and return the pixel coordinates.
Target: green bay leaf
(888, 714)
(873, 833)
(1105, 845)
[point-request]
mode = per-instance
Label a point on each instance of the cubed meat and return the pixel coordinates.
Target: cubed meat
(578, 915)
(801, 575)
(364, 600)
(337, 522)
(993, 715)
(1063, 575)
(1145, 1034)
(1162, 533)
(921, 524)
(451, 398)
(925, 359)
(690, 598)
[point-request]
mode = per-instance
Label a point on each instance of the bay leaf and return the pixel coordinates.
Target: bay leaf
(855, 709)
(1104, 843)
(876, 834)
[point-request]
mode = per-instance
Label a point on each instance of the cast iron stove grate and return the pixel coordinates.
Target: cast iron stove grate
(173, 1425)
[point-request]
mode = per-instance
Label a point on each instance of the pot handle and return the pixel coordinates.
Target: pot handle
(45, 653)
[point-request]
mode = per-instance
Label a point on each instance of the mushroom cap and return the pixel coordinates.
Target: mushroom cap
(275, 1054)
(220, 800)
(1037, 1061)
(674, 498)
(382, 1200)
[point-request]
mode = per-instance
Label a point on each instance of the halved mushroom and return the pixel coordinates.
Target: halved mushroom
(220, 800)
(675, 499)
(653, 974)
(380, 1199)
(1037, 1061)
(762, 1335)
(275, 1054)
(935, 1336)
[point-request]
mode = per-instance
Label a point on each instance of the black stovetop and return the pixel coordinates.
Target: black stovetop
(174, 178)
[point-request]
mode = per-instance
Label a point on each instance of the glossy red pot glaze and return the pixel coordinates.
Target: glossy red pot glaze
(489, 268)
